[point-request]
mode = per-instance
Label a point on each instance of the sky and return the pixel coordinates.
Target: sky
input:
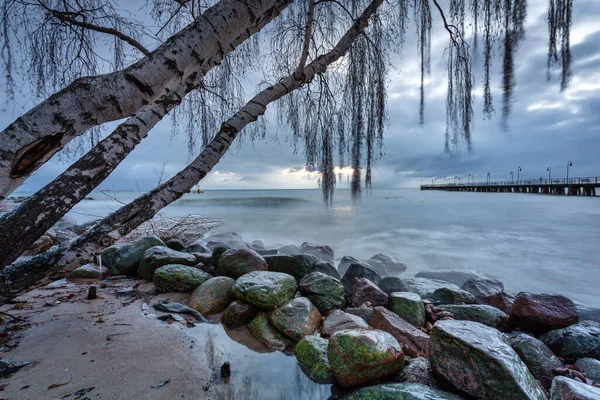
(547, 128)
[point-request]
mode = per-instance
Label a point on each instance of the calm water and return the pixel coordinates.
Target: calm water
(530, 242)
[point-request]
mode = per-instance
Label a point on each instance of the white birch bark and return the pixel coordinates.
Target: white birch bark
(33, 138)
(26, 223)
(18, 277)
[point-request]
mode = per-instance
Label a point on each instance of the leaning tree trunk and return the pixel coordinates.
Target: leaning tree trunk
(33, 138)
(18, 277)
(25, 224)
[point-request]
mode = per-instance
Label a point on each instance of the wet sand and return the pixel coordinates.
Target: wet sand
(117, 346)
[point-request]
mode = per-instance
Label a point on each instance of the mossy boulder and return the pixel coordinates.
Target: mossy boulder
(362, 356)
(238, 313)
(297, 265)
(575, 341)
(178, 278)
(125, 259)
(296, 318)
(409, 306)
(324, 291)
(400, 391)
(477, 360)
(265, 289)
(157, 256)
(414, 341)
(213, 295)
(311, 353)
(264, 332)
(537, 356)
(237, 262)
(339, 320)
(481, 313)
(452, 296)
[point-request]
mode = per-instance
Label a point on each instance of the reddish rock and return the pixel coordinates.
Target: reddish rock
(238, 313)
(501, 301)
(415, 342)
(540, 313)
(363, 290)
(339, 321)
(322, 251)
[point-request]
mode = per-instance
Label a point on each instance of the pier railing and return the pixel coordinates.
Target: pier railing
(592, 180)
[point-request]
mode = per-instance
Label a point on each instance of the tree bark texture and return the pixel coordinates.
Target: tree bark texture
(18, 277)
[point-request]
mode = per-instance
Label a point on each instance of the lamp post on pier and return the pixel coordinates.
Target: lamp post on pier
(519, 175)
(512, 177)
(549, 169)
(569, 164)
(488, 177)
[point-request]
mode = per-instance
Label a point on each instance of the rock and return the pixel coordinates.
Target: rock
(289, 249)
(538, 358)
(424, 287)
(361, 356)
(456, 276)
(365, 291)
(210, 269)
(588, 313)
(327, 268)
(408, 306)
(80, 229)
(540, 313)
(295, 265)
(377, 266)
(318, 250)
(564, 388)
(418, 370)
(477, 360)
(339, 321)
(400, 391)
(345, 263)
(362, 312)
(178, 278)
(264, 332)
(197, 248)
(415, 342)
(61, 235)
(237, 262)
(325, 292)
(575, 341)
(226, 237)
(358, 271)
(125, 259)
(590, 367)
(258, 245)
(89, 271)
(217, 252)
(265, 289)
(39, 246)
(311, 353)
(452, 296)
(266, 252)
(175, 244)
(238, 313)
(213, 295)
(482, 313)
(501, 301)
(157, 256)
(483, 287)
(296, 318)
(393, 264)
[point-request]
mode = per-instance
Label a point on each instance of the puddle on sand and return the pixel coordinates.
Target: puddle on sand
(257, 372)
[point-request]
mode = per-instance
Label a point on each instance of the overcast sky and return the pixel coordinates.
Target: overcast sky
(547, 128)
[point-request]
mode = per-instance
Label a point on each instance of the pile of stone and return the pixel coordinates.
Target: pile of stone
(444, 334)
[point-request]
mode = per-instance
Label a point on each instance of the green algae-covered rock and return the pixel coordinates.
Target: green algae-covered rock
(477, 360)
(575, 341)
(325, 292)
(237, 262)
(238, 313)
(400, 391)
(361, 356)
(157, 256)
(125, 259)
(452, 296)
(296, 318)
(311, 353)
(297, 265)
(408, 306)
(481, 313)
(564, 388)
(265, 289)
(264, 332)
(213, 295)
(537, 356)
(178, 278)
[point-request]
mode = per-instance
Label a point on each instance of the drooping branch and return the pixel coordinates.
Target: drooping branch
(18, 277)
(307, 36)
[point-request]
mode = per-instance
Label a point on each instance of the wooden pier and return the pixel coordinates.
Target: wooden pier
(560, 187)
